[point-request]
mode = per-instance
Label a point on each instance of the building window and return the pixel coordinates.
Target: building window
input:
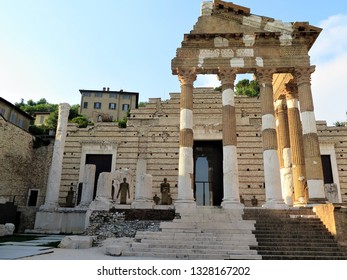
(97, 105)
(126, 96)
(32, 198)
(12, 117)
(42, 118)
(85, 105)
(125, 107)
(112, 106)
(87, 94)
(113, 95)
(2, 111)
(20, 122)
(98, 94)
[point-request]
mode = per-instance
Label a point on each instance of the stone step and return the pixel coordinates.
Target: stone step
(301, 253)
(193, 236)
(199, 251)
(189, 256)
(295, 257)
(208, 224)
(287, 248)
(196, 246)
(294, 243)
(186, 242)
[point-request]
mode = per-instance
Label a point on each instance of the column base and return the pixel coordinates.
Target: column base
(100, 205)
(185, 204)
(232, 205)
(49, 207)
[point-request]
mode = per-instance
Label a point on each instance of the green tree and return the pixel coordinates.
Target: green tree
(246, 87)
(339, 124)
(32, 107)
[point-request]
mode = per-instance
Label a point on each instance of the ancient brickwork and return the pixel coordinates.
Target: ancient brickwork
(22, 168)
(337, 137)
(153, 134)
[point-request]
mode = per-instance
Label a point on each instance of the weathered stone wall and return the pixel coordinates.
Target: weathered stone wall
(153, 134)
(337, 137)
(22, 167)
(334, 217)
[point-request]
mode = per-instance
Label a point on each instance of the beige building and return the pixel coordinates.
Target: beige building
(14, 115)
(41, 118)
(107, 105)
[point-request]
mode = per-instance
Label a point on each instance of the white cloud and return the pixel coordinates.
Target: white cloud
(329, 54)
(207, 81)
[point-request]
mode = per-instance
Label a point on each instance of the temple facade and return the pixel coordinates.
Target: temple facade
(213, 148)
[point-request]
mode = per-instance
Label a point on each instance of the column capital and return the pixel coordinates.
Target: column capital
(303, 74)
(291, 90)
(186, 76)
(264, 75)
(227, 75)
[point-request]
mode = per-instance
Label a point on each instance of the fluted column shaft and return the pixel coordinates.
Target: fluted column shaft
(284, 151)
(271, 163)
(231, 197)
(313, 162)
(297, 148)
(185, 197)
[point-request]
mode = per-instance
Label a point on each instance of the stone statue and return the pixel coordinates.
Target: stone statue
(123, 191)
(165, 193)
(254, 201)
(70, 197)
(156, 199)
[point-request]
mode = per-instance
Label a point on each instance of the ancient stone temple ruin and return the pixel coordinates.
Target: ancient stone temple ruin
(213, 148)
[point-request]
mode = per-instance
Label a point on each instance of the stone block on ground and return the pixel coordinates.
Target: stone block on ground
(76, 242)
(6, 229)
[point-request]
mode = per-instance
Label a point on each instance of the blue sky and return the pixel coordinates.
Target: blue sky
(52, 48)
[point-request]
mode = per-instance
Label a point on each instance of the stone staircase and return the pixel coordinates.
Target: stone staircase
(293, 234)
(199, 233)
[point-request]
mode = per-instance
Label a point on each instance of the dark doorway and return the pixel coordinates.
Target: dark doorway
(208, 172)
(327, 171)
(103, 163)
(33, 195)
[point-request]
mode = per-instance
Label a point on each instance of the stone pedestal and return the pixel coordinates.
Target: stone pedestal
(143, 193)
(88, 185)
(103, 193)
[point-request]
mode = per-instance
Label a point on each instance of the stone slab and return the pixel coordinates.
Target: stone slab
(10, 252)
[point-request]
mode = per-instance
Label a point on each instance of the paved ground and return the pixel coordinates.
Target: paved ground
(38, 250)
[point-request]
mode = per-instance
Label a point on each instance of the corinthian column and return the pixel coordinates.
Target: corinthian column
(297, 148)
(271, 163)
(185, 197)
(53, 185)
(313, 162)
(230, 168)
(284, 151)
